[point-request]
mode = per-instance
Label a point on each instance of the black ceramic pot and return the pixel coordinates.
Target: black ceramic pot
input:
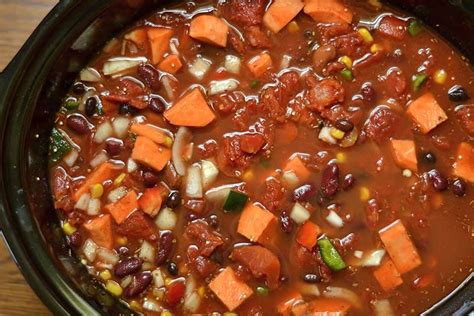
(31, 89)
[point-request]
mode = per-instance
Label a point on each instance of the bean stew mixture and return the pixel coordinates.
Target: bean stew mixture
(285, 157)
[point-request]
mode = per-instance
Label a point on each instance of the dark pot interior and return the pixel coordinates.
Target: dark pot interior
(32, 88)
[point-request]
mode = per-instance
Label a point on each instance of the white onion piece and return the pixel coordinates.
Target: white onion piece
(290, 179)
(374, 258)
(345, 294)
(194, 182)
(107, 256)
(103, 132)
(90, 74)
(158, 278)
(120, 125)
(89, 249)
(126, 281)
(83, 202)
(183, 138)
(299, 214)
(382, 308)
(71, 158)
(131, 165)
(200, 67)
(192, 302)
(308, 289)
(218, 195)
(325, 136)
(117, 194)
(147, 252)
(285, 62)
(358, 254)
(221, 86)
(232, 64)
(152, 305)
(334, 219)
(166, 219)
(99, 159)
(94, 207)
(166, 81)
(119, 64)
(209, 173)
(173, 47)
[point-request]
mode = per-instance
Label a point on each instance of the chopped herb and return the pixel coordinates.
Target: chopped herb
(346, 73)
(254, 84)
(418, 80)
(330, 255)
(235, 201)
(59, 146)
(415, 27)
(71, 104)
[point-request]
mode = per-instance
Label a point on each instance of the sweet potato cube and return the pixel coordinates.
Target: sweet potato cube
(256, 224)
(171, 64)
(191, 110)
(259, 64)
(328, 11)
(150, 131)
(426, 113)
(280, 13)
(322, 306)
(288, 301)
(388, 276)
(296, 165)
(159, 43)
(400, 247)
(464, 165)
(307, 235)
(122, 209)
(229, 289)
(150, 154)
(151, 200)
(105, 171)
(100, 231)
(404, 153)
(209, 29)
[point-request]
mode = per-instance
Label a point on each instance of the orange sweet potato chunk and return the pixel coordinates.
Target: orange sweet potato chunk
(328, 11)
(151, 200)
(259, 64)
(307, 235)
(171, 64)
(123, 208)
(464, 165)
(159, 39)
(322, 306)
(280, 13)
(256, 224)
(287, 302)
(105, 171)
(426, 113)
(404, 154)
(229, 289)
(100, 231)
(150, 154)
(150, 131)
(296, 165)
(192, 110)
(388, 276)
(209, 29)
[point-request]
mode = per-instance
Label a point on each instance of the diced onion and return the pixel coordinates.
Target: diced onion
(120, 125)
(90, 74)
(89, 249)
(126, 281)
(107, 256)
(83, 202)
(147, 252)
(99, 159)
(166, 219)
(158, 278)
(308, 289)
(131, 165)
(285, 62)
(232, 64)
(103, 132)
(152, 305)
(290, 179)
(117, 194)
(358, 254)
(94, 207)
(325, 136)
(334, 219)
(382, 308)
(200, 67)
(299, 214)
(194, 182)
(173, 47)
(192, 300)
(71, 158)
(221, 86)
(119, 64)
(219, 194)
(374, 258)
(166, 81)
(345, 294)
(209, 173)
(183, 138)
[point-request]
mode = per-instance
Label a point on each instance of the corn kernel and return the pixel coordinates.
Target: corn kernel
(337, 133)
(122, 240)
(407, 173)
(201, 291)
(376, 4)
(341, 157)
(364, 194)
(105, 275)
(135, 305)
(168, 281)
(248, 175)
(374, 48)
(293, 27)
(97, 190)
(69, 229)
(366, 35)
(159, 293)
(347, 61)
(230, 314)
(168, 142)
(166, 313)
(114, 288)
(118, 181)
(440, 76)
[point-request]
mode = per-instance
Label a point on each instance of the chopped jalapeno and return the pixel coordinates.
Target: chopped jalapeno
(330, 255)
(235, 201)
(59, 146)
(71, 105)
(415, 27)
(418, 81)
(346, 73)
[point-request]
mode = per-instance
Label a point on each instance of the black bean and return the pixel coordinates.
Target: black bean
(304, 193)
(75, 239)
(429, 157)
(440, 183)
(157, 105)
(91, 106)
(127, 266)
(113, 146)
(78, 88)
(286, 222)
(308, 34)
(150, 179)
(166, 245)
(458, 94)
(78, 124)
(344, 125)
(139, 284)
(312, 278)
(123, 251)
(213, 221)
(330, 180)
(191, 217)
(368, 92)
(150, 76)
(126, 108)
(459, 187)
(173, 200)
(173, 269)
(348, 182)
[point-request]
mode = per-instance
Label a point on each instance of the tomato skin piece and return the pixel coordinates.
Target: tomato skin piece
(175, 293)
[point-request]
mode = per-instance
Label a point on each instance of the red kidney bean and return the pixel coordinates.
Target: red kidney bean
(348, 182)
(78, 124)
(304, 193)
(330, 180)
(113, 146)
(127, 266)
(157, 105)
(166, 245)
(322, 55)
(150, 179)
(75, 239)
(286, 223)
(440, 183)
(368, 92)
(459, 187)
(139, 284)
(150, 76)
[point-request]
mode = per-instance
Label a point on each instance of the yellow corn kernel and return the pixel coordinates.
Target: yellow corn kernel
(366, 35)
(248, 175)
(347, 61)
(122, 240)
(166, 313)
(341, 157)
(364, 194)
(293, 27)
(158, 293)
(337, 133)
(114, 288)
(168, 281)
(135, 305)
(440, 76)
(201, 291)
(374, 48)
(69, 229)
(105, 275)
(376, 4)
(97, 190)
(168, 141)
(230, 314)
(118, 181)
